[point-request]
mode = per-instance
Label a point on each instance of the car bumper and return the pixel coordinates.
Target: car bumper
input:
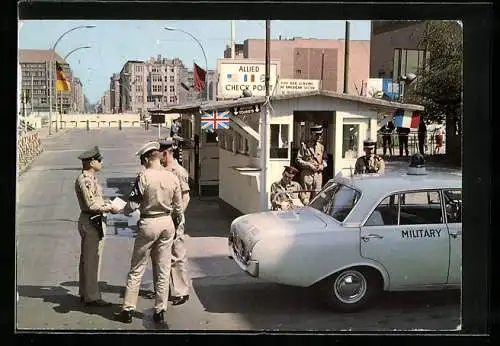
(251, 267)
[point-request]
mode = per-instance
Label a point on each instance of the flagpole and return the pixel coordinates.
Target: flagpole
(50, 96)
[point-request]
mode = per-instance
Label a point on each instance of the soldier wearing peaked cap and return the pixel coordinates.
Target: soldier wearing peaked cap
(179, 278)
(285, 192)
(90, 226)
(311, 158)
(371, 162)
(158, 194)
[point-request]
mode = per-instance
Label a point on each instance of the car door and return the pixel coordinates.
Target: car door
(453, 208)
(407, 234)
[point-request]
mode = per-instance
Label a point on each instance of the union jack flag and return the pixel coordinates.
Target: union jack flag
(215, 120)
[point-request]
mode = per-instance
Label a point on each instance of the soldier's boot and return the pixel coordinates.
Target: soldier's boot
(125, 316)
(179, 300)
(159, 317)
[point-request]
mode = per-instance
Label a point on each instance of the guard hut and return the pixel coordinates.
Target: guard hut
(347, 121)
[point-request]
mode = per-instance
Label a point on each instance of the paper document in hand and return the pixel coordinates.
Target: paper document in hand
(118, 203)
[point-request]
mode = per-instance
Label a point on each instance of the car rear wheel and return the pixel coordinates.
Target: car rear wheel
(351, 289)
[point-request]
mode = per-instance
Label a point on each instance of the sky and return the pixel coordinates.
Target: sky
(114, 42)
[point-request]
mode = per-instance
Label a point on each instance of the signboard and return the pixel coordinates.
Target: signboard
(290, 86)
(378, 86)
(236, 76)
(157, 118)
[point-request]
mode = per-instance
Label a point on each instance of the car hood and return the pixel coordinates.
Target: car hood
(253, 227)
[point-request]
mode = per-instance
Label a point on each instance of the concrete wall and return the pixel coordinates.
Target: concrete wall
(29, 146)
(96, 120)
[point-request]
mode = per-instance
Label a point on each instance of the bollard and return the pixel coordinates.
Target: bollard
(88, 125)
(120, 124)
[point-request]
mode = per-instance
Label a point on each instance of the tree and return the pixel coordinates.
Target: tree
(439, 85)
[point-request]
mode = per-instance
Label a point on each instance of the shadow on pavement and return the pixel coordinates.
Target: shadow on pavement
(206, 218)
(67, 302)
(123, 186)
(268, 305)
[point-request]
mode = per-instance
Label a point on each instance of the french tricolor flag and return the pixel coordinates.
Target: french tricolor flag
(407, 119)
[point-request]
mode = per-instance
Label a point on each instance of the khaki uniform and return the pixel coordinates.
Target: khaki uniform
(160, 200)
(283, 196)
(310, 161)
(91, 201)
(369, 164)
(179, 277)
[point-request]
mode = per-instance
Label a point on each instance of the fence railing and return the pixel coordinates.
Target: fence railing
(29, 146)
(413, 148)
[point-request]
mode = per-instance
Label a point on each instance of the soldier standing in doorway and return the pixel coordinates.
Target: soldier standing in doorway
(284, 193)
(91, 226)
(311, 160)
(371, 162)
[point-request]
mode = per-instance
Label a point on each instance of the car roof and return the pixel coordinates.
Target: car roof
(386, 183)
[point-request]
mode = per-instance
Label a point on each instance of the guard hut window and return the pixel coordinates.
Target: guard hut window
(279, 141)
(350, 139)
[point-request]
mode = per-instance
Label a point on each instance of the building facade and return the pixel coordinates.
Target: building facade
(318, 59)
(394, 48)
(105, 103)
(78, 105)
(36, 80)
(114, 93)
(238, 49)
(153, 83)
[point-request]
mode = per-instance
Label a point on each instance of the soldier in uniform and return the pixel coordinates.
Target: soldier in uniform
(371, 162)
(311, 159)
(91, 227)
(284, 193)
(158, 193)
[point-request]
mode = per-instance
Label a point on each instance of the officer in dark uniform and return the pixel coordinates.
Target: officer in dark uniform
(371, 162)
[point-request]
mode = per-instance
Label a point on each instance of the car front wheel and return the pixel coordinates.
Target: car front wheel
(351, 289)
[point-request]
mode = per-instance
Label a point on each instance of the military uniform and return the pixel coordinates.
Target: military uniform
(311, 160)
(92, 229)
(159, 195)
(369, 163)
(285, 192)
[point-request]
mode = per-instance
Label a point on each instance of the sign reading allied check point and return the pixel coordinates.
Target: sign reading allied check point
(214, 120)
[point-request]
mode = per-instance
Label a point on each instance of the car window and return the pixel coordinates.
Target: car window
(453, 205)
(422, 207)
(336, 201)
(386, 213)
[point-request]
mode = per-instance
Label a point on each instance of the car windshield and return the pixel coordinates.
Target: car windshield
(336, 200)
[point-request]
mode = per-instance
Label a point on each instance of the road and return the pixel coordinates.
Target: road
(222, 297)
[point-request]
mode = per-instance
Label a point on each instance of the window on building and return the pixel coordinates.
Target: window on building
(350, 138)
(166, 88)
(211, 137)
(172, 88)
(298, 72)
(409, 61)
(171, 70)
(172, 98)
(172, 78)
(279, 141)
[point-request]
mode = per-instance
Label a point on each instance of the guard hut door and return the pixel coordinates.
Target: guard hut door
(209, 164)
(302, 121)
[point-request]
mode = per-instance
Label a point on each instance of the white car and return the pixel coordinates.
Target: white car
(359, 236)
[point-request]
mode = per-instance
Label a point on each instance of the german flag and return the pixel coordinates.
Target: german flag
(62, 84)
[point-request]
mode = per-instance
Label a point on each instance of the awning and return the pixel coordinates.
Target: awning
(248, 170)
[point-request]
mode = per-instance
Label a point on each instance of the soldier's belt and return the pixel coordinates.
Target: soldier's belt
(152, 216)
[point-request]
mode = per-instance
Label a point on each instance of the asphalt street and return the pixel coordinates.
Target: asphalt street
(222, 297)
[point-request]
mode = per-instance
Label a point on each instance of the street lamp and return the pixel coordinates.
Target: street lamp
(203, 50)
(66, 57)
(51, 68)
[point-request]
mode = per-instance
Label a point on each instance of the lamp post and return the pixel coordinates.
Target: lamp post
(202, 49)
(51, 66)
(60, 93)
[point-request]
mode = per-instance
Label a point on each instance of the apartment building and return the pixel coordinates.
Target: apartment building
(36, 80)
(150, 84)
(78, 105)
(320, 59)
(114, 89)
(104, 105)
(238, 50)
